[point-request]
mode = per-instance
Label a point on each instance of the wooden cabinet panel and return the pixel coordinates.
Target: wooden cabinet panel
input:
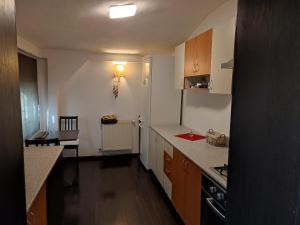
(192, 194)
(190, 57)
(198, 55)
(178, 192)
(37, 214)
(203, 46)
(186, 193)
(168, 165)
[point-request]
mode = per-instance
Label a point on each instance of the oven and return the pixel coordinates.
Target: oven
(213, 202)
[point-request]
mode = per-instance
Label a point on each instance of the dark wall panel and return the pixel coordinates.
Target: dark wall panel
(264, 161)
(12, 190)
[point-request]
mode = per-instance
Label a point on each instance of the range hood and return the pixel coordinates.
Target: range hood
(227, 65)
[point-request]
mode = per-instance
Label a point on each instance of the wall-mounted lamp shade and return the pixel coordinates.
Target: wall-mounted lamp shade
(119, 69)
(122, 11)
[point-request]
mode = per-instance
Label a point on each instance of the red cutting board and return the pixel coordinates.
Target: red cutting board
(191, 137)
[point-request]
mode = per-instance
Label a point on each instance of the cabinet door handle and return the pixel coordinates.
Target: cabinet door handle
(186, 164)
(210, 85)
(194, 68)
(197, 67)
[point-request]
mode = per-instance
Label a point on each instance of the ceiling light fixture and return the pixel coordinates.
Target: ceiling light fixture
(122, 11)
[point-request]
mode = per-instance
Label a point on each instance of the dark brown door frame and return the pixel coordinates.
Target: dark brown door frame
(12, 188)
(264, 156)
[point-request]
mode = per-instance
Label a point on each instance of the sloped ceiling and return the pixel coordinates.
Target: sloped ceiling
(158, 27)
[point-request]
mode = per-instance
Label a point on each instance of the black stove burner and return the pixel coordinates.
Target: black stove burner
(222, 170)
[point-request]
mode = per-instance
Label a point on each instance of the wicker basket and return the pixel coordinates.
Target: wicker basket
(215, 138)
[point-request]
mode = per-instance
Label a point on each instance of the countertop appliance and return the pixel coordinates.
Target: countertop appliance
(213, 202)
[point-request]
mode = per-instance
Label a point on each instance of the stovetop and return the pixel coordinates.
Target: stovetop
(221, 170)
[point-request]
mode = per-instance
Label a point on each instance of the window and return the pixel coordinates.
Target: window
(29, 95)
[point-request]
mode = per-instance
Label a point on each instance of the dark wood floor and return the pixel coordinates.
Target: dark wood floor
(116, 192)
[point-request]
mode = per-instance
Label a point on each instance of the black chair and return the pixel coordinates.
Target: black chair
(69, 123)
(42, 142)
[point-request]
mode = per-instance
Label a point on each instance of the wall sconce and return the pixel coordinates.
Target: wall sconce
(119, 71)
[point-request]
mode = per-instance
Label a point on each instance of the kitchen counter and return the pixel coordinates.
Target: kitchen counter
(201, 153)
(38, 163)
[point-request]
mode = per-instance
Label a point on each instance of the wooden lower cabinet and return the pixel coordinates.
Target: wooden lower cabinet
(186, 193)
(192, 194)
(178, 192)
(37, 214)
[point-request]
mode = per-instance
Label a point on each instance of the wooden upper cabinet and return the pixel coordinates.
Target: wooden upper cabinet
(198, 55)
(190, 57)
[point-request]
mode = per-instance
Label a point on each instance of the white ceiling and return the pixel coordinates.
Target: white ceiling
(158, 27)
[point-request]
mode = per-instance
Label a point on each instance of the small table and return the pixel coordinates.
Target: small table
(65, 135)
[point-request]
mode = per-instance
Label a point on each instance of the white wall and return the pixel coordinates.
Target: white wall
(28, 47)
(204, 111)
(80, 83)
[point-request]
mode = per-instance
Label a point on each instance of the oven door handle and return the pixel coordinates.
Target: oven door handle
(210, 204)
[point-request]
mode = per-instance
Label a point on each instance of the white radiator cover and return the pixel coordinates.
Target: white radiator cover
(117, 136)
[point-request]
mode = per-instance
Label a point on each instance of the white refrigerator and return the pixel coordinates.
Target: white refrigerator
(160, 102)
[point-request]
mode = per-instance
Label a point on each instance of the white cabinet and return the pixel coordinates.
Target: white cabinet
(158, 147)
(168, 168)
(222, 52)
(156, 156)
(152, 151)
(179, 66)
(160, 159)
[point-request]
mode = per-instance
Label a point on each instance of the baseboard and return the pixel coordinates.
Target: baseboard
(103, 157)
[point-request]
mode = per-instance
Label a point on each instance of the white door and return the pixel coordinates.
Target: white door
(145, 101)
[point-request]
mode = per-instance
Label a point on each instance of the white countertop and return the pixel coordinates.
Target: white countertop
(201, 153)
(38, 162)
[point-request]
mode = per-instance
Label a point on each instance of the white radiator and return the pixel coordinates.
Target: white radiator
(117, 136)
